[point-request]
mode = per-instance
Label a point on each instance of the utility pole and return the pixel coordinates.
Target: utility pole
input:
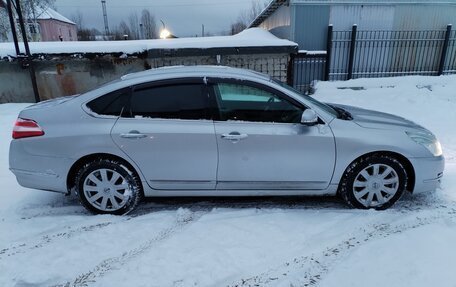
(105, 17)
(26, 60)
(13, 26)
(202, 30)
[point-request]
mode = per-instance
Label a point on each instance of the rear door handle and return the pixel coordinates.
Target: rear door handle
(234, 136)
(133, 135)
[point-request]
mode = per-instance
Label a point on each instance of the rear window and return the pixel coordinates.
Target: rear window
(180, 101)
(111, 104)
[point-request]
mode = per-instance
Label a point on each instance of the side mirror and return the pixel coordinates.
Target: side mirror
(309, 117)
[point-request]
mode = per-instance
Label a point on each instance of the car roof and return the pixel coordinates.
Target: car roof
(196, 71)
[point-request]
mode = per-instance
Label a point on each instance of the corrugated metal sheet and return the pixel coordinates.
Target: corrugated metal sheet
(281, 17)
(278, 23)
(310, 26)
(424, 17)
(372, 2)
(370, 17)
(268, 11)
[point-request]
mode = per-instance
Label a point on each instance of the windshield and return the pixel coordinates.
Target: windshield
(320, 105)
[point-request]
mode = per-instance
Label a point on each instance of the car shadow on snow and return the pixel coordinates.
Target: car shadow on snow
(55, 204)
(333, 203)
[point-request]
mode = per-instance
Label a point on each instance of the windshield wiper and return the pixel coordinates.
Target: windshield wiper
(342, 114)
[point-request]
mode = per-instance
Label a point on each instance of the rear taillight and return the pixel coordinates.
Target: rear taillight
(24, 128)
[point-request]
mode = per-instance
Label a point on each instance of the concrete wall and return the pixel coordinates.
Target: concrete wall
(64, 75)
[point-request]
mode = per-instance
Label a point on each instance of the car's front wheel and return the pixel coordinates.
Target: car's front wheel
(375, 181)
(108, 187)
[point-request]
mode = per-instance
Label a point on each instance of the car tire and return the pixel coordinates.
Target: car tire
(375, 181)
(107, 186)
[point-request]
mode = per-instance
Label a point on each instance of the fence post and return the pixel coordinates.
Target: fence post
(352, 52)
(444, 50)
(328, 51)
(290, 70)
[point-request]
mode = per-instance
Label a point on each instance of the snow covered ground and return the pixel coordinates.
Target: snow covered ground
(47, 239)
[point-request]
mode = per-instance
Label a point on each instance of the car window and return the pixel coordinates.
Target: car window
(111, 104)
(180, 101)
(240, 102)
(321, 105)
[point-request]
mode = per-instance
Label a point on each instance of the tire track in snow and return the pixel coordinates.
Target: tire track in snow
(183, 219)
(68, 232)
(310, 269)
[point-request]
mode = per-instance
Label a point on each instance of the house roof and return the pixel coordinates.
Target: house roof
(51, 14)
(45, 14)
(271, 8)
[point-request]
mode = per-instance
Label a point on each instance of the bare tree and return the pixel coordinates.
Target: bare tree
(124, 29)
(247, 16)
(149, 24)
(4, 25)
(78, 18)
(133, 20)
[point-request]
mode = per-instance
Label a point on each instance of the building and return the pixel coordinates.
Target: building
(49, 26)
(53, 26)
(305, 21)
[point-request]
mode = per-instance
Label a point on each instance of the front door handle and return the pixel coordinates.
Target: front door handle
(133, 135)
(234, 136)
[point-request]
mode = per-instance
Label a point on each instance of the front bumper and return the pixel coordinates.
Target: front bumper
(428, 173)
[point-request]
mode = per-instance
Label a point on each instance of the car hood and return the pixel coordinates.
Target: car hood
(378, 120)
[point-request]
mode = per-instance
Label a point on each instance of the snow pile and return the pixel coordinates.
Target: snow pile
(254, 37)
(47, 239)
(428, 101)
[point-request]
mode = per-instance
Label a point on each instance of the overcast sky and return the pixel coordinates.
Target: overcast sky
(182, 17)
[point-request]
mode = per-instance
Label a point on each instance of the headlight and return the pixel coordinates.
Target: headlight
(428, 141)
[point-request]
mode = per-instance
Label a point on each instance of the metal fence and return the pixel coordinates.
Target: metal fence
(304, 68)
(362, 54)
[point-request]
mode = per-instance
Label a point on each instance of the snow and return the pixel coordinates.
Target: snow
(315, 52)
(47, 239)
(254, 37)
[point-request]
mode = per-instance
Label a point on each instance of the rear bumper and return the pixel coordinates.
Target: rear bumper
(38, 172)
(38, 180)
(428, 173)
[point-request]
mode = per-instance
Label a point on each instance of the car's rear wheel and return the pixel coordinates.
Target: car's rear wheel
(108, 187)
(375, 181)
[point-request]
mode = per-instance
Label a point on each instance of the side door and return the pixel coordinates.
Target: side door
(168, 131)
(263, 145)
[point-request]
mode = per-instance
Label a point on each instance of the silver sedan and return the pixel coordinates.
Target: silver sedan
(217, 131)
